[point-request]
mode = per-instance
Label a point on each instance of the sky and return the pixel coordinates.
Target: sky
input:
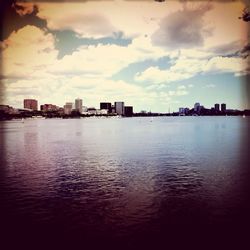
(155, 56)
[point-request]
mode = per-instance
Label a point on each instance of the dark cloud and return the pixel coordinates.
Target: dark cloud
(183, 29)
(11, 20)
(228, 49)
(245, 15)
(245, 52)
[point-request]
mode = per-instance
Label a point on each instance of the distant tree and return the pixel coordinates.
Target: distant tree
(245, 15)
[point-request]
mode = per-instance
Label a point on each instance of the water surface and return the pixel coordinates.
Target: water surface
(128, 180)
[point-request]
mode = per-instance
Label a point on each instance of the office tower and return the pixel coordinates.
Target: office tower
(197, 107)
(223, 107)
(217, 107)
(106, 105)
(30, 104)
(68, 108)
(128, 111)
(119, 108)
(78, 105)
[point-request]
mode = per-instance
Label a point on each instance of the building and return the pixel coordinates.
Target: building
(128, 111)
(48, 107)
(119, 108)
(217, 107)
(91, 111)
(30, 104)
(68, 108)
(223, 107)
(197, 107)
(106, 105)
(102, 112)
(6, 109)
(112, 109)
(78, 105)
(183, 111)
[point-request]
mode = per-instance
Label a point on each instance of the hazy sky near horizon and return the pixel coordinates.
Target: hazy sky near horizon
(151, 55)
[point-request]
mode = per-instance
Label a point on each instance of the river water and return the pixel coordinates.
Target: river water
(124, 182)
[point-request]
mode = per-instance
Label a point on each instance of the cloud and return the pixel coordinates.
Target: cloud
(105, 60)
(226, 64)
(227, 48)
(25, 55)
(185, 68)
(95, 20)
(155, 75)
(182, 68)
(245, 52)
(25, 8)
(86, 22)
(177, 92)
(210, 86)
(15, 16)
(183, 29)
(182, 87)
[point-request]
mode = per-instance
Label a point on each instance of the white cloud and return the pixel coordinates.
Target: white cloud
(226, 64)
(210, 85)
(25, 54)
(185, 68)
(182, 87)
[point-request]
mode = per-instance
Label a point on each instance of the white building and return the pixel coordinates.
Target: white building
(78, 105)
(119, 108)
(68, 108)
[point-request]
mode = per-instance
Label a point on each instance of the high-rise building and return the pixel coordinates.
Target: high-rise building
(217, 107)
(68, 108)
(223, 107)
(30, 104)
(128, 111)
(197, 107)
(106, 105)
(119, 108)
(78, 105)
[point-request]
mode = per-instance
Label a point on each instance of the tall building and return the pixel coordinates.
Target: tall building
(78, 105)
(68, 108)
(223, 107)
(106, 105)
(128, 111)
(30, 104)
(119, 108)
(197, 107)
(217, 107)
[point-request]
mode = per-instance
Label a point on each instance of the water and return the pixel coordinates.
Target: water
(123, 182)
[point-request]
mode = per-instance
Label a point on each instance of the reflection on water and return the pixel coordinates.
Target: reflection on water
(123, 178)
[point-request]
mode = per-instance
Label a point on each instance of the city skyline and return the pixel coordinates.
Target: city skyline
(117, 107)
(158, 59)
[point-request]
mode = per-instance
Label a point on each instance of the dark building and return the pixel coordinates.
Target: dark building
(128, 111)
(106, 105)
(217, 107)
(223, 107)
(48, 107)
